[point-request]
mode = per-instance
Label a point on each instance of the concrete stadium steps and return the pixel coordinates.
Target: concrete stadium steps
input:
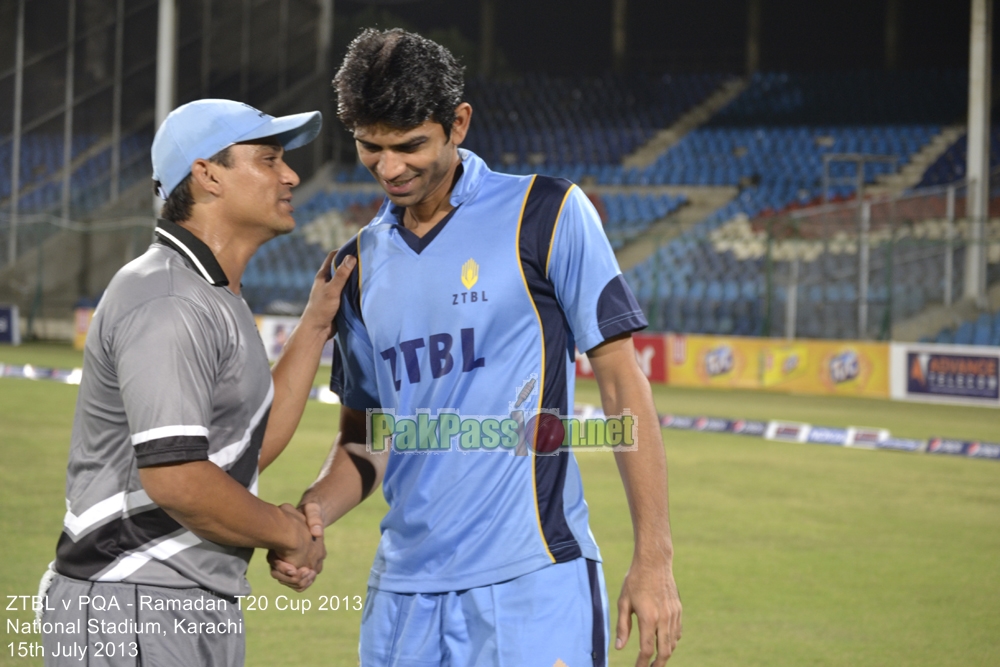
(646, 154)
(702, 201)
(931, 320)
(911, 174)
(66, 276)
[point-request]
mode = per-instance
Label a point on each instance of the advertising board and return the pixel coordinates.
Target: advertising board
(10, 329)
(274, 332)
(960, 374)
(650, 352)
(806, 366)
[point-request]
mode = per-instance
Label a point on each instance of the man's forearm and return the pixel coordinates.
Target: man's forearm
(293, 376)
(348, 477)
(644, 473)
(204, 499)
(644, 470)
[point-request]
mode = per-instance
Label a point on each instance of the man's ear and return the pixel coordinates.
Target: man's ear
(460, 128)
(205, 177)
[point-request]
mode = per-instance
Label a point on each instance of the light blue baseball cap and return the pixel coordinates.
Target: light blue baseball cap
(200, 129)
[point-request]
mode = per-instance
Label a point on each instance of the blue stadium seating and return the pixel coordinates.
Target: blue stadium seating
(870, 98)
(773, 137)
(950, 166)
(90, 185)
(627, 216)
(574, 126)
(788, 160)
(985, 330)
(283, 269)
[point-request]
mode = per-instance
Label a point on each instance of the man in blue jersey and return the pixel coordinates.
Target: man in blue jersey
(472, 291)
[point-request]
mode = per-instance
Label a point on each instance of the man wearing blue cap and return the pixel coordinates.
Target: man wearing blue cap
(179, 411)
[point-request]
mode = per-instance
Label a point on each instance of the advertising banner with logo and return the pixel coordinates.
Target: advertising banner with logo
(962, 374)
(714, 361)
(10, 326)
(81, 325)
(826, 367)
(808, 367)
(650, 352)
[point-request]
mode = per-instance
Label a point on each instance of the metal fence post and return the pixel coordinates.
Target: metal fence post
(864, 240)
(792, 299)
(885, 331)
(949, 256)
(769, 277)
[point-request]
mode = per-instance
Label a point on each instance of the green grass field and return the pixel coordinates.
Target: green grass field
(785, 554)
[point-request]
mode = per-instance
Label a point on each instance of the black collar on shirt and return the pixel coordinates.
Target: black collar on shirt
(418, 243)
(193, 249)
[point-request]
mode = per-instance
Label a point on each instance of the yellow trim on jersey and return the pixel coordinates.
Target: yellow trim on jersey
(541, 380)
(552, 241)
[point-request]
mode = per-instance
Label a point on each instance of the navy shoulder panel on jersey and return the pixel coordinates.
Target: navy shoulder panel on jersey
(618, 311)
(352, 290)
(541, 212)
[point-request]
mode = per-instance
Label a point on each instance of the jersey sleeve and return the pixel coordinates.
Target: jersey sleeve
(352, 376)
(584, 272)
(167, 360)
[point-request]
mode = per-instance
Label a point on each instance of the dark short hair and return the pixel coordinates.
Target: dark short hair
(398, 79)
(177, 208)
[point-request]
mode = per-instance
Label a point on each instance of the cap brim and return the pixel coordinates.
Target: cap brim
(290, 131)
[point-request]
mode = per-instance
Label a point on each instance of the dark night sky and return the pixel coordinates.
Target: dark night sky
(685, 35)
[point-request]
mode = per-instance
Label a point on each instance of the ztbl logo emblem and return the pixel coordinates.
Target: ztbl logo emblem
(470, 273)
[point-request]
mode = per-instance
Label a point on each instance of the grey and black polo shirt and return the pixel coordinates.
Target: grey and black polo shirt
(174, 370)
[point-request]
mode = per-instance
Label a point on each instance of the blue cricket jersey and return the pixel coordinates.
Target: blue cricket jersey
(479, 315)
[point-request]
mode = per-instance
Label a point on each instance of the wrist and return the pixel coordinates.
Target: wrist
(315, 326)
(293, 534)
(653, 551)
(309, 498)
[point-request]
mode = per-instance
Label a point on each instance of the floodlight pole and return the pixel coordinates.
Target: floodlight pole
(892, 34)
(206, 47)
(324, 71)
(619, 34)
(753, 36)
(245, 53)
(487, 38)
(116, 111)
(67, 174)
(15, 171)
(978, 166)
(166, 68)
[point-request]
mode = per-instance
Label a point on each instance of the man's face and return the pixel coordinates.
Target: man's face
(259, 187)
(408, 164)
